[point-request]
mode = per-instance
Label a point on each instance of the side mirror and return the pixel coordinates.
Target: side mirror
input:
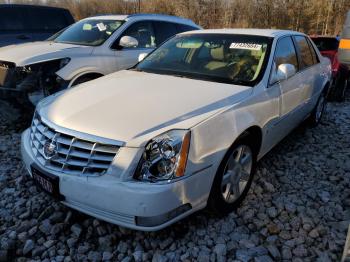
(142, 56)
(284, 71)
(128, 41)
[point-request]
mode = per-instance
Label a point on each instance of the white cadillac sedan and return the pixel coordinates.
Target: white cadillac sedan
(183, 130)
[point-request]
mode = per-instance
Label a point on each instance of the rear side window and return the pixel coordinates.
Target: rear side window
(164, 30)
(305, 52)
(285, 53)
(313, 52)
(46, 19)
(32, 19)
(184, 28)
(11, 19)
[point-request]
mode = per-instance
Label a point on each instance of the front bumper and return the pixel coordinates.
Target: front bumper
(127, 203)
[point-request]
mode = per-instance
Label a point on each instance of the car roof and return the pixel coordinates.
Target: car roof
(323, 36)
(160, 17)
(247, 31)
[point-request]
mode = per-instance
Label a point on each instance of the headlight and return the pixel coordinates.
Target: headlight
(165, 157)
(64, 62)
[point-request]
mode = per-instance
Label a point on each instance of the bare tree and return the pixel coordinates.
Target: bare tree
(309, 16)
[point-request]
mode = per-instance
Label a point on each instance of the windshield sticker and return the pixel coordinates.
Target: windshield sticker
(87, 27)
(247, 46)
(101, 27)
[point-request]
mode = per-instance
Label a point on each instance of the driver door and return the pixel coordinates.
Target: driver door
(143, 32)
(290, 102)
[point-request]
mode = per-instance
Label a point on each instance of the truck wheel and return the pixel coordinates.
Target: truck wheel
(317, 112)
(233, 178)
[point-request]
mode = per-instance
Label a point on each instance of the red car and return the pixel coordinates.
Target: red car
(328, 47)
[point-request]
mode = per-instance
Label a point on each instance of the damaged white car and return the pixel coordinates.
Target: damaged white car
(91, 48)
(184, 129)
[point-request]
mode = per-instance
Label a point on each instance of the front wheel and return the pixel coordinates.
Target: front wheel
(317, 113)
(233, 178)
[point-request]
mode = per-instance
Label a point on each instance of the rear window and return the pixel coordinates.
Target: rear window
(164, 30)
(46, 19)
(326, 44)
(11, 19)
(184, 28)
(33, 19)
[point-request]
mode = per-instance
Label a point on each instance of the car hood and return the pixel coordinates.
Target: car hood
(30, 53)
(133, 107)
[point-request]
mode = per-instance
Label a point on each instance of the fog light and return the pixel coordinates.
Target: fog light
(161, 219)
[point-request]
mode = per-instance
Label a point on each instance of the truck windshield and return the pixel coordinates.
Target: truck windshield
(238, 59)
(91, 32)
(326, 43)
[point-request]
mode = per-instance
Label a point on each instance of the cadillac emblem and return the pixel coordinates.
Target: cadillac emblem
(50, 148)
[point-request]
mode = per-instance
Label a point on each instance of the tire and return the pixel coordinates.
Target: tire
(339, 88)
(317, 113)
(223, 199)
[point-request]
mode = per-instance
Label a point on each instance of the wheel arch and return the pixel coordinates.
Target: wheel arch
(93, 75)
(254, 135)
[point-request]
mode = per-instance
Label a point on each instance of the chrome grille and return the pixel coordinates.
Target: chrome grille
(72, 155)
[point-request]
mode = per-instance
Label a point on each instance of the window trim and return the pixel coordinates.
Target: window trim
(273, 61)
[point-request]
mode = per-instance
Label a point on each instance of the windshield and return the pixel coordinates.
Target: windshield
(215, 57)
(326, 44)
(91, 32)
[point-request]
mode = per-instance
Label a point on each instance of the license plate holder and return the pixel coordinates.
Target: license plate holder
(48, 182)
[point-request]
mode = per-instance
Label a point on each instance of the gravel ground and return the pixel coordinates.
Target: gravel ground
(298, 209)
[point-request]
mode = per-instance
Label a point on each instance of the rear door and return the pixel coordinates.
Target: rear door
(310, 72)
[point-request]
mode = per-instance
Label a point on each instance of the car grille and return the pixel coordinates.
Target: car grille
(72, 155)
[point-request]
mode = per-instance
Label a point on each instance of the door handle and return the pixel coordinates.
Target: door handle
(23, 37)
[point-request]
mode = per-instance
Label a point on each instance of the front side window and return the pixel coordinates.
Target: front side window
(91, 32)
(305, 52)
(143, 32)
(285, 53)
(225, 58)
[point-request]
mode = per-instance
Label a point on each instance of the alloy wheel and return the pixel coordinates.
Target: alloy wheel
(237, 172)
